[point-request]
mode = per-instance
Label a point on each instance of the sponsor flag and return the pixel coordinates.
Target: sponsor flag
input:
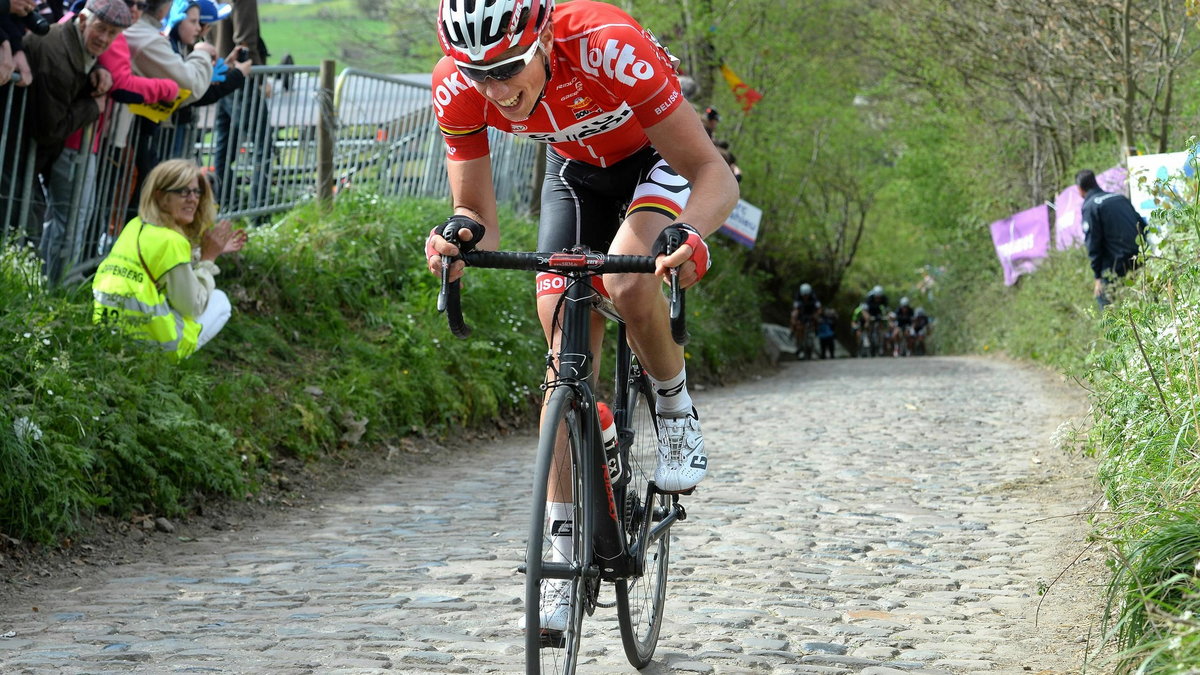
(741, 91)
(1068, 218)
(742, 225)
(1021, 241)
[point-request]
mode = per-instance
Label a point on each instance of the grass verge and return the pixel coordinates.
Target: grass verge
(335, 350)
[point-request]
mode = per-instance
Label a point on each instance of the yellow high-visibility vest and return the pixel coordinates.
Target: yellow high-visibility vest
(126, 292)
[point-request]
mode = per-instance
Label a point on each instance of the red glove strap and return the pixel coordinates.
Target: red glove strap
(699, 251)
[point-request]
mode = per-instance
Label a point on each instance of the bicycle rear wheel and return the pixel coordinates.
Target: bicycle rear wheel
(640, 597)
(556, 652)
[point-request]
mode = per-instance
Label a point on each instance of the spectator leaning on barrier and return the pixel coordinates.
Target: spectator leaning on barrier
(70, 87)
(152, 55)
(1111, 229)
(189, 22)
(126, 88)
(148, 286)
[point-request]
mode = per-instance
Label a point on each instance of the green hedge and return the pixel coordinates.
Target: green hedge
(334, 348)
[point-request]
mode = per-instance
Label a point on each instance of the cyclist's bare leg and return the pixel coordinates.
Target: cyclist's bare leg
(639, 299)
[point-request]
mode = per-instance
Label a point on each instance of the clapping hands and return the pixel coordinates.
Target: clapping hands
(220, 239)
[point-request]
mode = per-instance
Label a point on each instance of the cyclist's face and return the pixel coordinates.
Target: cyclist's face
(516, 96)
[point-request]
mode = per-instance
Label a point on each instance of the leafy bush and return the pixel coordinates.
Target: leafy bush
(334, 348)
(1049, 316)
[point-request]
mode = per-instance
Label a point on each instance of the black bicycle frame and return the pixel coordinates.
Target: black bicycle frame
(614, 559)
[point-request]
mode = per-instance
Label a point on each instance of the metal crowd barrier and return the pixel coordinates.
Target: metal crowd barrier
(258, 145)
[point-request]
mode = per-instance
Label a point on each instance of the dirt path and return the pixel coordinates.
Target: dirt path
(862, 516)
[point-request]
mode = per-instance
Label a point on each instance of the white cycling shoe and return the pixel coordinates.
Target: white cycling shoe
(555, 606)
(681, 459)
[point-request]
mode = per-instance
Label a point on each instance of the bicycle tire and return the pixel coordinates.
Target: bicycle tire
(546, 652)
(640, 598)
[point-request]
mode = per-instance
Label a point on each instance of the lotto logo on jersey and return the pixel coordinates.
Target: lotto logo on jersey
(616, 60)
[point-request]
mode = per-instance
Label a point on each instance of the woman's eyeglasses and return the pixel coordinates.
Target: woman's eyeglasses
(501, 70)
(186, 192)
(140, 6)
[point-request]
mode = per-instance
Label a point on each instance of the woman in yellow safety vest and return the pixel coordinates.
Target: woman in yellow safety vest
(149, 284)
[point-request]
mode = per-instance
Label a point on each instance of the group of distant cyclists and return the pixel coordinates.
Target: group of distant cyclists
(878, 329)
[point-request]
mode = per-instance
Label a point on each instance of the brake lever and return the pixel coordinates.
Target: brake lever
(445, 290)
(676, 298)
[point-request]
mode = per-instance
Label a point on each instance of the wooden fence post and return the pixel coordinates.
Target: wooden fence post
(326, 134)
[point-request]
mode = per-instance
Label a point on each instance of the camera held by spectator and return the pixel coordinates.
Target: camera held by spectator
(36, 23)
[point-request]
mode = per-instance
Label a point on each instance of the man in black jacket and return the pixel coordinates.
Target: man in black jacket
(1111, 228)
(67, 92)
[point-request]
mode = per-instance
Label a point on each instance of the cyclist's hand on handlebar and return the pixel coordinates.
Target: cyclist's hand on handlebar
(681, 246)
(457, 235)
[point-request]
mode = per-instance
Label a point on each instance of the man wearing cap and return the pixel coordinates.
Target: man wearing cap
(76, 159)
(69, 87)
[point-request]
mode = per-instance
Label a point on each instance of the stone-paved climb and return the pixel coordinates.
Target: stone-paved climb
(867, 516)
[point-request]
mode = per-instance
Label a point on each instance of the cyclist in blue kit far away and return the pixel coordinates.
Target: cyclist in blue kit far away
(628, 167)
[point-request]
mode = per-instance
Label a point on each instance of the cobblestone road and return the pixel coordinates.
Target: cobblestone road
(863, 516)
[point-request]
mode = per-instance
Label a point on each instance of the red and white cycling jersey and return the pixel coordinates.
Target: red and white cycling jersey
(609, 81)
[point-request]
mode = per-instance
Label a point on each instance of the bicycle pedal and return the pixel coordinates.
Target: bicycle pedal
(553, 639)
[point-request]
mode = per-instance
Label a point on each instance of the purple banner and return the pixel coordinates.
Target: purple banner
(1114, 180)
(1021, 241)
(1068, 218)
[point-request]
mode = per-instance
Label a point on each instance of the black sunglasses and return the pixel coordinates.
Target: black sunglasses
(504, 70)
(140, 6)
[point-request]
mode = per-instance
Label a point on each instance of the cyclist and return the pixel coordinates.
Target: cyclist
(805, 310)
(627, 165)
(903, 326)
(860, 319)
(920, 330)
(877, 302)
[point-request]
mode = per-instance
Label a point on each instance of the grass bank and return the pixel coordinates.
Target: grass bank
(335, 348)
(1139, 359)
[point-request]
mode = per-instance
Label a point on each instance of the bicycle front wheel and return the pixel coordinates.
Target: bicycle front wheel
(641, 596)
(552, 635)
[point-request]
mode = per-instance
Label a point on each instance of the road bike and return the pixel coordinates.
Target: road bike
(805, 332)
(622, 522)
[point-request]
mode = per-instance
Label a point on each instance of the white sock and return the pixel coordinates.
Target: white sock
(673, 397)
(562, 528)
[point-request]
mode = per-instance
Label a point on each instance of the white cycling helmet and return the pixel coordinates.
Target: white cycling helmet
(920, 311)
(904, 302)
(878, 290)
(805, 289)
(472, 31)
